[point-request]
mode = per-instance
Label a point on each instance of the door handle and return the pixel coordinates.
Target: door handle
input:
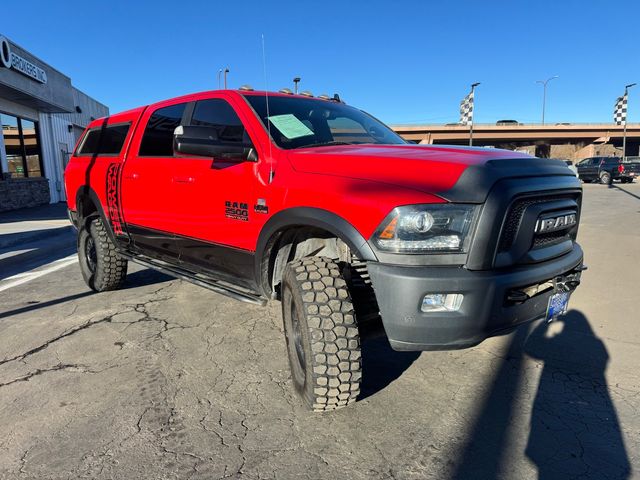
(184, 179)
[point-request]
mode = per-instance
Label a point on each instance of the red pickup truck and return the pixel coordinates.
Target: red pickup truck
(272, 196)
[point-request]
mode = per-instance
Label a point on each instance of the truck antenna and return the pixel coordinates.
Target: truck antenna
(266, 95)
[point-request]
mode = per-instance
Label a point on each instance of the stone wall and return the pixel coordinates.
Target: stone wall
(23, 192)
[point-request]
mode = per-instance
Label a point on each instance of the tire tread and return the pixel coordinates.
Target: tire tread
(335, 341)
(111, 270)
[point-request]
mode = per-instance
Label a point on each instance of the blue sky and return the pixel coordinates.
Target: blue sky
(404, 62)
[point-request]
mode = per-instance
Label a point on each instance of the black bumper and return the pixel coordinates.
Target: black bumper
(485, 310)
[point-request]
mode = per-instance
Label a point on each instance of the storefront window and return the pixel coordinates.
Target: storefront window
(11, 134)
(22, 145)
(31, 147)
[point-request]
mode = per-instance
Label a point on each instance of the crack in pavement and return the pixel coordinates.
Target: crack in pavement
(138, 308)
(65, 334)
(41, 371)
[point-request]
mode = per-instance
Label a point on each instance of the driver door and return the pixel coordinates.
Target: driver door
(585, 169)
(215, 198)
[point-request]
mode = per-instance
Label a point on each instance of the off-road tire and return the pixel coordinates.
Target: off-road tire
(101, 266)
(605, 178)
(324, 348)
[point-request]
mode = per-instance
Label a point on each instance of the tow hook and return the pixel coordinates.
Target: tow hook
(561, 284)
(565, 284)
(568, 282)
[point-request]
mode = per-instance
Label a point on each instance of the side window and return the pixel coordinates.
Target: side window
(219, 114)
(157, 140)
(104, 141)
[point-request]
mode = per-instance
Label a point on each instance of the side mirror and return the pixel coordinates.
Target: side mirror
(203, 141)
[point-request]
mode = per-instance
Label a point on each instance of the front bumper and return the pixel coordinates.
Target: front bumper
(485, 310)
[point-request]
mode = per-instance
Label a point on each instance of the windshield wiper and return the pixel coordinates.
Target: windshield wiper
(324, 144)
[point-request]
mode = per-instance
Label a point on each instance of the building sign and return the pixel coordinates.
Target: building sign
(8, 59)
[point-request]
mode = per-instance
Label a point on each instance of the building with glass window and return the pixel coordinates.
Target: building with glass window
(42, 116)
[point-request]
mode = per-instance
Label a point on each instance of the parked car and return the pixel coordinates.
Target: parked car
(267, 196)
(572, 167)
(606, 170)
(569, 164)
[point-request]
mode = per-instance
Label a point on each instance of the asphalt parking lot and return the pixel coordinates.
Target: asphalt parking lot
(167, 380)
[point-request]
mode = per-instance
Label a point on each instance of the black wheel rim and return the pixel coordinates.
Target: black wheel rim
(297, 337)
(90, 254)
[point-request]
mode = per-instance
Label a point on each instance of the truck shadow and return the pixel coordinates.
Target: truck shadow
(574, 427)
(141, 278)
(626, 191)
(380, 363)
(144, 277)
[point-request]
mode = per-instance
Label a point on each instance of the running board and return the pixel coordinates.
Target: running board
(211, 284)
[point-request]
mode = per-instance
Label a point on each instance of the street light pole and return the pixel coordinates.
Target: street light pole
(296, 81)
(544, 93)
(219, 73)
(624, 131)
(226, 70)
(473, 87)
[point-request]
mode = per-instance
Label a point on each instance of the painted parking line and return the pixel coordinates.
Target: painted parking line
(22, 278)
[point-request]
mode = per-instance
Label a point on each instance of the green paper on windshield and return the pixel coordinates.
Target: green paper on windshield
(290, 126)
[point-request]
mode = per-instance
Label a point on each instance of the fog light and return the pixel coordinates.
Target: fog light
(442, 302)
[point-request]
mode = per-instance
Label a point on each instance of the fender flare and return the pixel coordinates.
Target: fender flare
(88, 192)
(309, 217)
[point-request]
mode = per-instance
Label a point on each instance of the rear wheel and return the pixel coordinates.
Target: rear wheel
(101, 266)
(605, 178)
(323, 342)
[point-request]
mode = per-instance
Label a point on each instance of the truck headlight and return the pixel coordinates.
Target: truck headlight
(426, 228)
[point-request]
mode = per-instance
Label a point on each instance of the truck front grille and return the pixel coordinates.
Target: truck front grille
(547, 239)
(515, 215)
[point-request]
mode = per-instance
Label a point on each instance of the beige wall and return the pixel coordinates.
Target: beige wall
(575, 152)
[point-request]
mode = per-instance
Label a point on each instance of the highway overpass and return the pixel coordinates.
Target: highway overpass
(567, 140)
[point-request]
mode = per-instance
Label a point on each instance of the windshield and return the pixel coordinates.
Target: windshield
(300, 122)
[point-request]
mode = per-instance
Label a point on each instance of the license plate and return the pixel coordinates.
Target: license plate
(558, 304)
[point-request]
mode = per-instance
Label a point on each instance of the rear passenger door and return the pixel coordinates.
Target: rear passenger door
(148, 183)
(97, 163)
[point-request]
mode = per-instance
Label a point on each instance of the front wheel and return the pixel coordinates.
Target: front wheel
(101, 266)
(323, 342)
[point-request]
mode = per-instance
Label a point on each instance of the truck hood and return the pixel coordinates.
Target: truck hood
(430, 169)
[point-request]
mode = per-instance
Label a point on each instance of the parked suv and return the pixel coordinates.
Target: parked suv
(266, 196)
(606, 170)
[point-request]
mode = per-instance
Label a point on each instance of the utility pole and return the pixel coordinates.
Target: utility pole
(296, 81)
(624, 131)
(544, 93)
(226, 70)
(473, 87)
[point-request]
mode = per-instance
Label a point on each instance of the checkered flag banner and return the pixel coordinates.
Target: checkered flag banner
(466, 110)
(620, 110)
